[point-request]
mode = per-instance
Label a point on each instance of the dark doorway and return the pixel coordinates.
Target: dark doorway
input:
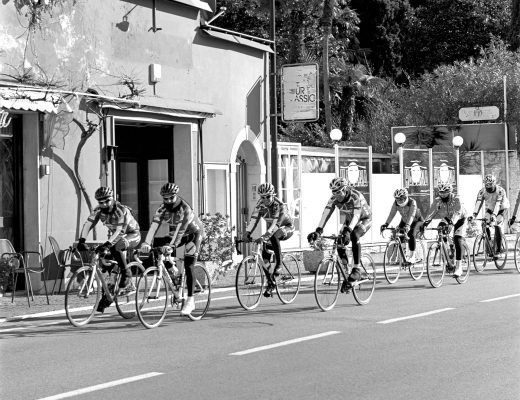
(144, 164)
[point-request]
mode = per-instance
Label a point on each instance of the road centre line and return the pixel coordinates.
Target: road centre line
(101, 386)
(389, 321)
(499, 298)
(285, 343)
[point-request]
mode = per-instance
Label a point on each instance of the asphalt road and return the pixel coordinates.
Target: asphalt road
(410, 342)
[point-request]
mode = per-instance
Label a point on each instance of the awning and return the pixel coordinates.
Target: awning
(236, 39)
(171, 107)
(28, 100)
(196, 3)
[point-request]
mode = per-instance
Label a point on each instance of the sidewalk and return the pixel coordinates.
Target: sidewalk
(19, 309)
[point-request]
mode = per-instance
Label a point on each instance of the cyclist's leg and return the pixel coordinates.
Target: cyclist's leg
(361, 228)
(191, 252)
(458, 240)
(412, 243)
(118, 251)
(281, 234)
(498, 231)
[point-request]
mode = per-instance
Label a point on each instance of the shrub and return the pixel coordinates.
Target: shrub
(217, 244)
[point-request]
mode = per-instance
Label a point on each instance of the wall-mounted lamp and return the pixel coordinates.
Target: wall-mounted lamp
(221, 12)
(45, 169)
(110, 153)
(66, 106)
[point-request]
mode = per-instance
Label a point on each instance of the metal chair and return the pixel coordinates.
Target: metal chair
(22, 263)
(64, 259)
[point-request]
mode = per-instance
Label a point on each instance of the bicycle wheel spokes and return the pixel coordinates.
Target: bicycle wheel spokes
(480, 253)
(392, 261)
(151, 298)
(326, 284)
(364, 288)
(249, 283)
(500, 257)
(125, 305)
(417, 269)
(288, 282)
(435, 265)
(517, 254)
(202, 292)
(82, 296)
(465, 263)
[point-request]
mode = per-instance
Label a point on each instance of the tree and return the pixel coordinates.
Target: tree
(514, 33)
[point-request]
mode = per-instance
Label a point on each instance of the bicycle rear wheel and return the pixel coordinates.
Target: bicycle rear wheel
(480, 253)
(289, 280)
(125, 305)
(392, 262)
(500, 263)
(249, 282)
(517, 254)
(435, 265)
(327, 282)
(417, 269)
(202, 293)
(151, 298)
(364, 288)
(465, 263)
(82, 296)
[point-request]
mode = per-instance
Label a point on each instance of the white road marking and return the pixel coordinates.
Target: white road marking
(101, 386)
(285, 343)
(389, 321)
(499, 298)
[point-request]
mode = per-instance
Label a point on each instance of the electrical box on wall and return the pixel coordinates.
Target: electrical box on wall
(155, 73)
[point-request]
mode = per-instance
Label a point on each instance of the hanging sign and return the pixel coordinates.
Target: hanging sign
(299, 89)
(479, 113)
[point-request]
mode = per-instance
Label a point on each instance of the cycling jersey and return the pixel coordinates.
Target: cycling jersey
(118, 219)
(409, 212)
(353, 210)
(494, 202)
(276, 215)
(452, 209)
(181, 219)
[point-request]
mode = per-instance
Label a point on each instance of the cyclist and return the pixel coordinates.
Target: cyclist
(411, 219)
(185, 230)
(357, 221)
(496, 203)
(513, 218)
(123, 232)
(450, 209)
(281, 227)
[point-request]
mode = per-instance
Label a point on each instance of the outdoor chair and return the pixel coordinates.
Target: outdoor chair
(23, 262)
(64, 258)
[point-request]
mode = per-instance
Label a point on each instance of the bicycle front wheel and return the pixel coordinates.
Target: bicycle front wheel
(289, 280)
(465, 263)
(392, 262)
(435, 265)
(364, 288)
(151, 297)
(501, 258)
(517, 254)
(480, 253)
(202, 293)
(417, 268)
(249, 282)
(326, 284)
(82, 296)
(125, 305)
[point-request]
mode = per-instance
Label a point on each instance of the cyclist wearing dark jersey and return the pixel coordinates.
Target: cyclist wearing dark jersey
(185, 229)
(277, 216)
(411, 219)
(358, 220)
(123, 232)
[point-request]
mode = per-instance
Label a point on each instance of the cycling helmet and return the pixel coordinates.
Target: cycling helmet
(444, 188)
(169, 189)
(103, 193)
(338, 184)
(266, 189)
(401, 193)
(490, 180)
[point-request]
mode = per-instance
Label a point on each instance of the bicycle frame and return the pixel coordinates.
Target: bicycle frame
(96, 271)
(334, 257)
(441, 234)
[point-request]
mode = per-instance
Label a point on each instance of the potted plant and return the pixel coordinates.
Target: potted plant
(5, 275)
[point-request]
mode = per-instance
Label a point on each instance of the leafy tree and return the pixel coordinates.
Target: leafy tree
(514, 33)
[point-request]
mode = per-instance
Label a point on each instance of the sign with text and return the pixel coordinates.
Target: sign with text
(300, 99)
(479, 113)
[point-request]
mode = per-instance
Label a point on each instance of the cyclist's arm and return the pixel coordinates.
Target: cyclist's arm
(122, 227)
(89, 223)
(412, 211)
(327, 212)
(434, 208)
(391, 216)
(179, 233)
(516, 205)
(501, 201)
(357, 209)
(459, 211)
(156, 223)
(253, 222)
(479, 202)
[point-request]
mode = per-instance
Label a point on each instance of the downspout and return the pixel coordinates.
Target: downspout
(201, 176)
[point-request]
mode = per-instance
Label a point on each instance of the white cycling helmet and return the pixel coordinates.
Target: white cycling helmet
(490, 180)
(444, 188)
(266, 189)
(401, 193)
(337, 184)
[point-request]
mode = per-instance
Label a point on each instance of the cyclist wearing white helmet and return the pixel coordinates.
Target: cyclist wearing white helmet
(185, 229)
(123, 235)
(496, 203)
(450, 209)
(276, 214)
(411, 218)
(357, 220)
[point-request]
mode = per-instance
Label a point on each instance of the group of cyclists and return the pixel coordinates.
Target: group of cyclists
(186, 229)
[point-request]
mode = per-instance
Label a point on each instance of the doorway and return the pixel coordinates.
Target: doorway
(144, 164)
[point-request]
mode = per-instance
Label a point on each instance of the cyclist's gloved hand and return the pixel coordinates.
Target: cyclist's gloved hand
(406, 228)
(168, 249)
(383, 227)
(312, 237)
(260, 240)
(427, 222)
(81, 245)
(472, 217)
(145, 248)
(512, 220)
(104, 247)
(492, 218)
(448, 220)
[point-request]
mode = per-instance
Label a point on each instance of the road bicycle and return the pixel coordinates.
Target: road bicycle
(254, 277)
(100, 277)
(156, 289)
(394, 260)
(441, 258)
(517, 252)
(331, 274)
(485, 248)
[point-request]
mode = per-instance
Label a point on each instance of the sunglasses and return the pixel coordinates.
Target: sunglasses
(103, 202)
(169, 199)
(268, 196)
